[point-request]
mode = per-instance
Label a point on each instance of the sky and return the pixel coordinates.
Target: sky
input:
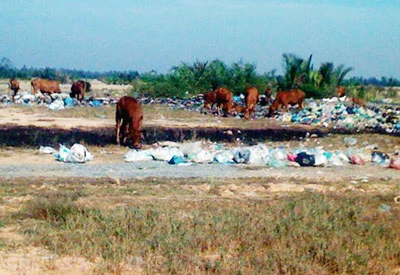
(146, 35)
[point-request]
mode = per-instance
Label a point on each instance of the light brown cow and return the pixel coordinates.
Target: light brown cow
(224, 99)
(14, 86)
(251, 97)
(340, 91)
(285, 98)
(46, 86)
(129, 116)
(78, 90)
(210, 98)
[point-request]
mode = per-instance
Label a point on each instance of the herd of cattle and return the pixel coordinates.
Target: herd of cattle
(129, 112)
(46, 86)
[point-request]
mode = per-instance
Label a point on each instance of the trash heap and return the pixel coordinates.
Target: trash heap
(333, 113)
(341, 115)
(260, 155)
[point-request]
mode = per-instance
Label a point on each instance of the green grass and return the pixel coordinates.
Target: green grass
(174, 226)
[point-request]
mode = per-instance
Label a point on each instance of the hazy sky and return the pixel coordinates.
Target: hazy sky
(146, 35)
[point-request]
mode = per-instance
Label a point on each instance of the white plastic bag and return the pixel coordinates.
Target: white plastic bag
(203, 156)
(77, 154)
(136, 155)
(165, 153)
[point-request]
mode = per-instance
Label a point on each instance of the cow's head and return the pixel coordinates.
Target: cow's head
(135, 136)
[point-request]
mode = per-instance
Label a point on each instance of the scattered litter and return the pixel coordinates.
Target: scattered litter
(47, 150)
(350, 141)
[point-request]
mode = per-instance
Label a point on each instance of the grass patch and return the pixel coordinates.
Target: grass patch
(178, 226)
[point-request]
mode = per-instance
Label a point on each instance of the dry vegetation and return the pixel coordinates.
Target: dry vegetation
(192, 226)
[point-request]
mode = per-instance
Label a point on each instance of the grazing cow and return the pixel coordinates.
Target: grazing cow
(78, 90)
(284, 98)
(340, 91)
(210, 98)
(46, 86)
(129, 116)
(357, 101)
(251, 97)
(224, 99)
(237, 109)
(14, 86)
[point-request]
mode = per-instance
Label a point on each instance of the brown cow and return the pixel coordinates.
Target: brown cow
(357, 101)
(14, 86)
(340, 91)
(251, 97)
(78, 90)
(224, 99)
(284, 98)
(46, 86)
(237, 109)
(210, 98)
(129, 111)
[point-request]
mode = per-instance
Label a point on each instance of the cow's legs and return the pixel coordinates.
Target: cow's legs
(117, 129)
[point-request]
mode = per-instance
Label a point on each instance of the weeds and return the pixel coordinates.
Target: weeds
(296, 234)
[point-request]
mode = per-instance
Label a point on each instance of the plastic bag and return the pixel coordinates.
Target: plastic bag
(241, 156)
(47, 150)
(305, 159)
(225, 156)
(137, 155)
(203, 156)
(77, 154)
(395, 162)
(176, 160)
(165, 153)
(379, 158)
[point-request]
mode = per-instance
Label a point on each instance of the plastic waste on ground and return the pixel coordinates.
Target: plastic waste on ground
(76, 154)
(259, 154)
(47, 150)
(380, 158)
(305, 159)
(137, 156)
(395, 162)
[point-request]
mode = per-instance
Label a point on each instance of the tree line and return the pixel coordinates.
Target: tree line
(186, 79)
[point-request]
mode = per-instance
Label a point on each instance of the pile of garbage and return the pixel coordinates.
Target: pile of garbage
(260, 155)
(341, 115)
(336, 113)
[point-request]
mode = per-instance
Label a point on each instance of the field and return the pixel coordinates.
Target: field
(112, 217)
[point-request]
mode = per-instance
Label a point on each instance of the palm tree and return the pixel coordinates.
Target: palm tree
(296, 72)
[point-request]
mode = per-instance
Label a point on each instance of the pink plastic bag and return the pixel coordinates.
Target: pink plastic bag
(395, 162)
(357, 160)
